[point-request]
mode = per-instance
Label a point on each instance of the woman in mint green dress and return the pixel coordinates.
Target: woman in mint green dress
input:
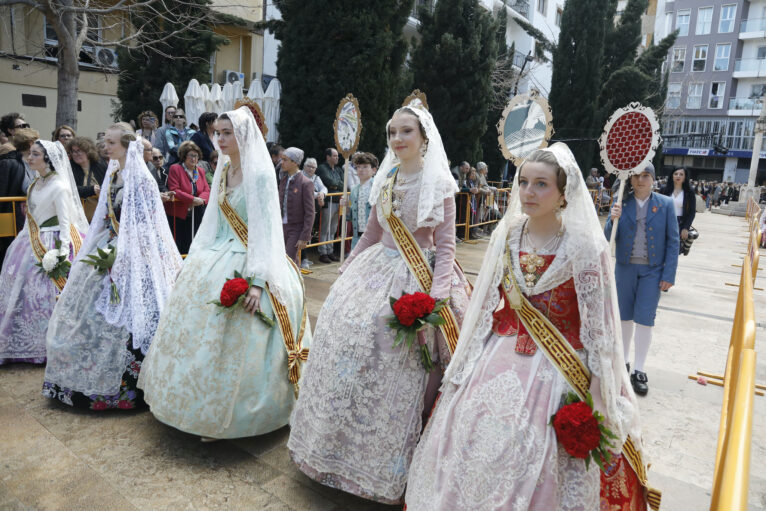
(224, 372)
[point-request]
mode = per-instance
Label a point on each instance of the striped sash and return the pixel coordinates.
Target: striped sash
(37, 245)
(416, 261)
(296, 353)
(561, 354)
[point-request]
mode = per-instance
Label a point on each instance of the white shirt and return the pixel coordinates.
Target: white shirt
(678, 202)
(642, 202)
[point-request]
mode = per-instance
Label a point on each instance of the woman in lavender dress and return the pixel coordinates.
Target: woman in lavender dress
(27, 294)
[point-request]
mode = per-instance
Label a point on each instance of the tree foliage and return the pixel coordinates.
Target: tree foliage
(145, 70)
(331, 48)
(577, 75)
(453, 64)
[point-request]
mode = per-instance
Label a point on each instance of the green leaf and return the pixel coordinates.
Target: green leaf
(587, 461)
(589, 400)
(392, 301)
(266, 319)
(237, 275)
(399, 337)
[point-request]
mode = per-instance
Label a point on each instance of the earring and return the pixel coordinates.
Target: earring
(424, 148)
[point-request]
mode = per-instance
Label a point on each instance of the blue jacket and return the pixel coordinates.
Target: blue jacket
(353, 204)
(662, 236)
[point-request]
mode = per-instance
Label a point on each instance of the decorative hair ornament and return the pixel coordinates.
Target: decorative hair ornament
(260, 119)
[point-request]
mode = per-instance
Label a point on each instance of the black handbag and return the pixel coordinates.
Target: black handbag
(686, 244)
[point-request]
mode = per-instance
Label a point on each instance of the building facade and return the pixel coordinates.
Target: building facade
(28, 72)
(717, 76)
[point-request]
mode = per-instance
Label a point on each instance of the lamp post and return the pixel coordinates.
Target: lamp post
(527, 58)
(760, 127)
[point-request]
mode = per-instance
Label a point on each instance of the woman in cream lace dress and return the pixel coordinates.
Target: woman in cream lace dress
(362, 400)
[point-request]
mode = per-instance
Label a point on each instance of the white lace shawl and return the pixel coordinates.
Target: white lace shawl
(437, 182)
(147, 262)
(265, 241)
(584, 256)
(73, 212)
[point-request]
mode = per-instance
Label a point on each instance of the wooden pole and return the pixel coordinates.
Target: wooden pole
(343, 212)
(613, 234)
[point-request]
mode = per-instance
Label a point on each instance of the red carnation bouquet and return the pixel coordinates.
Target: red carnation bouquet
(412, 312)
(233, 293)
(580, 429)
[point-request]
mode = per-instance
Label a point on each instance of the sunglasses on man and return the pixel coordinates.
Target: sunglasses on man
(25, 125)
(156, 158)
(179, 117)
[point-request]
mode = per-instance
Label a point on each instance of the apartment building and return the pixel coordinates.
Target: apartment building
(717, 76)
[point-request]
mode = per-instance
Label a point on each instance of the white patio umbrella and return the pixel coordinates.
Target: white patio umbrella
(228, 97)
(167, 98)
(236, 92)
(193, 103)
(271, 109)
(216, 99)
(207, 106)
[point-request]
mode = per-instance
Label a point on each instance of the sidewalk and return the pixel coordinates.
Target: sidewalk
(52, 457)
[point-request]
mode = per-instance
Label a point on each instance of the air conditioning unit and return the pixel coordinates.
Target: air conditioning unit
(230, 76)
(105, 57)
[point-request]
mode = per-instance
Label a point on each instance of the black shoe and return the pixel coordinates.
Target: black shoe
(324, 258)
(333, 257)
(639, 381)
(627, 366)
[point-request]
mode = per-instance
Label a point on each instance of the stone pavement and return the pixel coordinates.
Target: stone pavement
(52, 457)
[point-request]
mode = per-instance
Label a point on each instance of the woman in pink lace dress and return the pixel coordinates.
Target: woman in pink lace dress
(362, 401)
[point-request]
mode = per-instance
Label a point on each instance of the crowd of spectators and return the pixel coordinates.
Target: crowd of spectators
(181, 156)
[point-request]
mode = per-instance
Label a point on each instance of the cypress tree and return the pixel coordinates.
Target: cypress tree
(491, 153)
(144, 71)
(453, 64)
(576, 81)
(330, 48)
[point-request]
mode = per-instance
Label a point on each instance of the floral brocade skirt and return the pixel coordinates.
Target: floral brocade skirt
(128, 397)
(27, 298)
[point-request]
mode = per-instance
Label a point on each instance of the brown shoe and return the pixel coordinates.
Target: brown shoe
(334, 257)
(324, 258)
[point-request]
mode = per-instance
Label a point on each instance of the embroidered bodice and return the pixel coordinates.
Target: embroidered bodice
(558, 304)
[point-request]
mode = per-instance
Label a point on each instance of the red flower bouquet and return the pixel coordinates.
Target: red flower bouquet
(233, 293)
(412, 312)
(580, 431)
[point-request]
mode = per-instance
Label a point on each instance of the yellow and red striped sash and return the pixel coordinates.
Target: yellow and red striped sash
(561, 354)
(296, 353)
(37, 245)
(416, 261)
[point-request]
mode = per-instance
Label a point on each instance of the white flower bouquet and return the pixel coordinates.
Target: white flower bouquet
(55, 263)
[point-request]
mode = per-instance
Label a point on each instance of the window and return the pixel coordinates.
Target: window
(679, 56)
(761, 54)
(704, 20)
(674, 95)
(694, 97)
(682, 22)
(542, 6)
(722, 52)
(717, 91)
(700, 57)
(559, 14)
(726, 23)
(757, 90)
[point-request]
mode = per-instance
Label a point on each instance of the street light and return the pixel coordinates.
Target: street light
(527, 58)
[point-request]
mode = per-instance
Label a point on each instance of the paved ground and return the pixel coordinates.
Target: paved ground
(52, 457)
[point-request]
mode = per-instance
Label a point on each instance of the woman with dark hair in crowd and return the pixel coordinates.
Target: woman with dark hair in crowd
(204, 137)
(187, 180)
(679, 189)
(212, 164)
(64, 134)
(89, 170)
(147, 124)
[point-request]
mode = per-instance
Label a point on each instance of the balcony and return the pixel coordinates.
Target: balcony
(744, 107)
(753, 29)
(520, 6)
(749, 68)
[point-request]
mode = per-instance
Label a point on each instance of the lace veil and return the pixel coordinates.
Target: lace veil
(266, 257)
(584, 256)
(436, 183)
(147, 262)
(60, 161)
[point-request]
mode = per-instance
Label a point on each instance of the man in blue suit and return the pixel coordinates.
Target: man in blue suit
(647, 258)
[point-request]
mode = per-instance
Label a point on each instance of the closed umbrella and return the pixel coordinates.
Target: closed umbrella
(216, 99)
(168, 98)
(192, 102)
(271, 109)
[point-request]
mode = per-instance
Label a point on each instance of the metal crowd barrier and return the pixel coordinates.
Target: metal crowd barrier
(732, 464)
(8, 220)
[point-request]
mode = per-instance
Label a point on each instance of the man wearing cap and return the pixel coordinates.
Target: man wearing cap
(647, 258)
(296, 200)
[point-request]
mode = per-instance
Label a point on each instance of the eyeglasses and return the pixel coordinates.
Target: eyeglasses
(193, 156)
(25, 125)
(156, 158)
(179, 117)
